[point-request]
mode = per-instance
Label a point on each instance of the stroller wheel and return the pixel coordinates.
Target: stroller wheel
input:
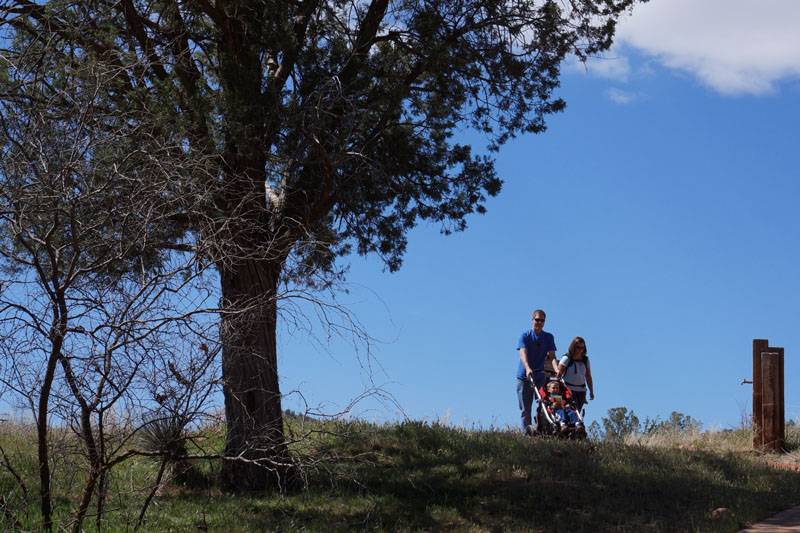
(579, 433)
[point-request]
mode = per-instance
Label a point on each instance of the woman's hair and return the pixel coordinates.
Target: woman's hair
(575, 341)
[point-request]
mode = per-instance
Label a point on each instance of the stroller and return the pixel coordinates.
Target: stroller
(547, 422)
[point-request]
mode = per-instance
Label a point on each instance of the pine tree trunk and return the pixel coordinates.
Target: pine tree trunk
(250, 266)
(250, 378)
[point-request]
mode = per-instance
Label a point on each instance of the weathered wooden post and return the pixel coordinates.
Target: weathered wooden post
(759, 345)
(768, 407)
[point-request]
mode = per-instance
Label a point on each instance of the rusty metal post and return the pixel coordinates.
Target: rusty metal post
(770, 403)
(781, 402)
(769, 413)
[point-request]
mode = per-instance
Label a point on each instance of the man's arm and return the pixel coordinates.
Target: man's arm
(523, 355)
(562, 369)
(550, 361)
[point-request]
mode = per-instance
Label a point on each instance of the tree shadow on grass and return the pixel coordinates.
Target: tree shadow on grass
(420, 477)
(444, 478)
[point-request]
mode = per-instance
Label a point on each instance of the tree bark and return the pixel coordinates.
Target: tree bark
(255, 442)
(42, 438)
(58, 329)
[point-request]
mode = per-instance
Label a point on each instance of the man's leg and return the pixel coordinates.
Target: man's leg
(525, 398)
(539, 381)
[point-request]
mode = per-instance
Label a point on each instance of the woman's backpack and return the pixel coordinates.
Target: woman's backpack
(572, 361)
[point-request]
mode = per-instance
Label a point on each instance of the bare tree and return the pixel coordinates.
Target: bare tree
(95, 321)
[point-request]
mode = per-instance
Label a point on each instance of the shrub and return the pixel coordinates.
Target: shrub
(167, 437)
(620, 423)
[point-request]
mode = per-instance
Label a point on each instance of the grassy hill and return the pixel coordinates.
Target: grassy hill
(426, 477)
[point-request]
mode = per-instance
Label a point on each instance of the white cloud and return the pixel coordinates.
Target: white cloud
(733, 46)
(621, 97)
(610, 67)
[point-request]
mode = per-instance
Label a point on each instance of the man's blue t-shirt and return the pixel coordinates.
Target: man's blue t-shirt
(538, 346)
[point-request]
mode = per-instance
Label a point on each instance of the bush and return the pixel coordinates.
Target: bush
(792, 443)
(676, 422)
(619, 423)
(167, 437)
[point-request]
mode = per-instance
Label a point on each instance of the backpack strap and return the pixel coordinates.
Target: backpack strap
(571, 361)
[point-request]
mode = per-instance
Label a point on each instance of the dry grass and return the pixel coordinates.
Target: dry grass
(738, 441)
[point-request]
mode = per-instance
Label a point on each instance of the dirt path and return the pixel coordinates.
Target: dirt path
(788, 520)
(783, 522)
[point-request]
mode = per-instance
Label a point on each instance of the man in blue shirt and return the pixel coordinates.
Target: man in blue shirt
(537, 350)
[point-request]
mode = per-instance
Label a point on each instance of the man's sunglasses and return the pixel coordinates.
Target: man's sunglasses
(538, 319)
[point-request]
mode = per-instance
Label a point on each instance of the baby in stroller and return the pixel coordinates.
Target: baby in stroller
(557, 413)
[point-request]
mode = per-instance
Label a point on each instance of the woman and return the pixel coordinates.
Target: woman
(577, 373)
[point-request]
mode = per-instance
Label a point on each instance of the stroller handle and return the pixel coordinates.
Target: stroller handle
(548, 371)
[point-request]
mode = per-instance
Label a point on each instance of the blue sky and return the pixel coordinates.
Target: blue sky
(656, 218)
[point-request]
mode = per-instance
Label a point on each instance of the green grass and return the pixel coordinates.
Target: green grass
(421, 477)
